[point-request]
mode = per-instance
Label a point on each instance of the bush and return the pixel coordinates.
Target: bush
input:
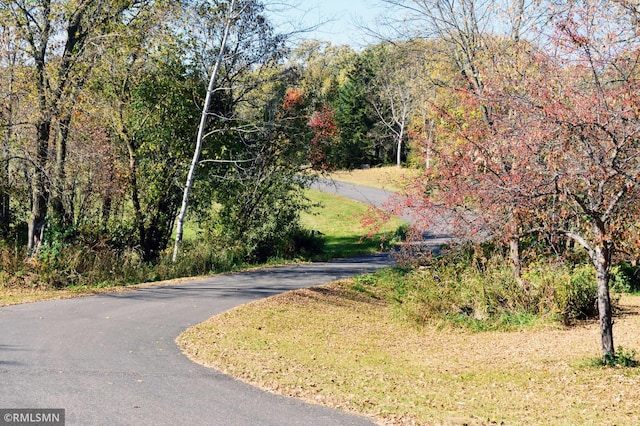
(465, 287)
(625, 278)
(567, 293)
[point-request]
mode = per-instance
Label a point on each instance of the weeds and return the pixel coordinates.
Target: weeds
(476, 289)
(622, 358)
(99, 265)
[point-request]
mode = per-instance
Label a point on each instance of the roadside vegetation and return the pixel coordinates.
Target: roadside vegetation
(341, 231)
(330, 229)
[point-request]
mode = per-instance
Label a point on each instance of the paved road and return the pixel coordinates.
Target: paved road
(111, 359)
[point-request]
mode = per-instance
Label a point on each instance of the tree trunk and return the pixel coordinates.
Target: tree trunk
(60, 214)
(5, 214)
(135, 197)
(5, 199)
(399, 153)
(429, 139)
(39, 193)
(602, 263)
(516, 261)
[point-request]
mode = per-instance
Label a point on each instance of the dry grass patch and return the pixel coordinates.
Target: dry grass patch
(388, 178)
(17, 295)
(14, 295)
(335, 346)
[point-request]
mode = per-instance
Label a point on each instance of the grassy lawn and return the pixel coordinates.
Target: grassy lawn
(340, 346)
(390, 178)
(338, 218)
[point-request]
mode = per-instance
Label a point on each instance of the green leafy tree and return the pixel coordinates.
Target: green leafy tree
(249, 163)
(261, 194)
(158, 121)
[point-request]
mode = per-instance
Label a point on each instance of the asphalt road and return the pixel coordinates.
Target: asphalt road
(112, 359)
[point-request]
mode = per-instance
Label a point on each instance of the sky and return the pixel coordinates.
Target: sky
(343, 17)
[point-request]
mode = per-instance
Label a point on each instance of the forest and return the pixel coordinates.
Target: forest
(521, 118)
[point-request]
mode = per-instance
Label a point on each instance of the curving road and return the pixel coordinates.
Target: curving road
(111, 359)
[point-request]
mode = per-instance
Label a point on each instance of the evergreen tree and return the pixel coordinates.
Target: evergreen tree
(354, 116)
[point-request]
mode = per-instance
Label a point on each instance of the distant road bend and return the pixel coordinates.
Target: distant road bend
(111, 359)
(433, 236)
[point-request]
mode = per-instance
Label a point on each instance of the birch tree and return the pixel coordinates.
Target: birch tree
(231, 15)
(248, 55)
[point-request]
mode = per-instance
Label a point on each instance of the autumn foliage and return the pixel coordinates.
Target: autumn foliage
(325, 136)
(548, 144)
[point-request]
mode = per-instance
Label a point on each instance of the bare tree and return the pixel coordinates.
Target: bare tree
(394, 93)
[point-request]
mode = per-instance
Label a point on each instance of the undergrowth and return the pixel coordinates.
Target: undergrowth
(481, 293)
(100, 265)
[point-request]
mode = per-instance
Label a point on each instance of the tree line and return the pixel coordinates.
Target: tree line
(100, 107)
(521, 116)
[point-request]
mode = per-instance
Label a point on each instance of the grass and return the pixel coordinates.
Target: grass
(390, 178)
(341, 346)
(17, 295)
(339, 219)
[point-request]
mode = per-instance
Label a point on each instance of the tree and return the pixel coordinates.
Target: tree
(396, 91)
(153, 118)
(62, 40)
(248, 53)
(326, 137)
(8, 113)
(560, 154)
(354, 115)
(323, 70)
(262, 194)
(232, 16)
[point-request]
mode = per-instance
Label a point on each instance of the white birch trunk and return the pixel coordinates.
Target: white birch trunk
(201, 130)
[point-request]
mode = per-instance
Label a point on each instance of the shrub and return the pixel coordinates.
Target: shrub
(621, 358)
(566, 292)
(476, 288)
(625, 278)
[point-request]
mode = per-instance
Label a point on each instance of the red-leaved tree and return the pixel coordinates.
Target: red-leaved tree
(549, 142)
(325, 137)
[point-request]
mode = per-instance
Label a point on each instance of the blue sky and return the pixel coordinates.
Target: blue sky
(343, 14)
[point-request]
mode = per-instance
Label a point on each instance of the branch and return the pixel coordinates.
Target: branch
(615, 200)
(578, 239)
(227, 161)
